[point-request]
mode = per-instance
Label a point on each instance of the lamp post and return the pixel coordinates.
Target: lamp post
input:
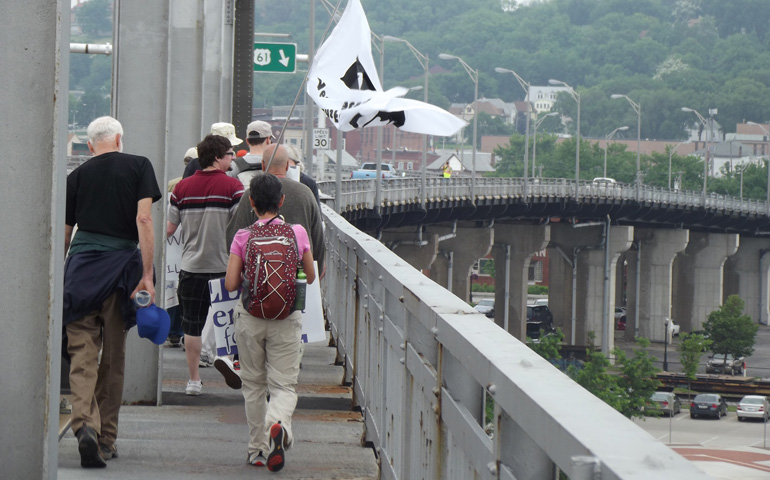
(525, 85)
(538, 121)
(607, 141)
(670, 153)
(704, 122)
(665, 348)
(638, 109)
(768, 161)
(474, 74)
(378, 167)
(423, 59)
(576, 97)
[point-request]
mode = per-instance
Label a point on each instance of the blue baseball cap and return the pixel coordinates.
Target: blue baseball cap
(153, 323)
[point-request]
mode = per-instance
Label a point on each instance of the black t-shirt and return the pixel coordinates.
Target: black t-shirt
(102, 194)
(191, 168)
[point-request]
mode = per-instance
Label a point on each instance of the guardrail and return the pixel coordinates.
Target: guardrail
(422, 363)
(359, 194)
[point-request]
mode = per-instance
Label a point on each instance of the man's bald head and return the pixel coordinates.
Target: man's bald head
(280, 163)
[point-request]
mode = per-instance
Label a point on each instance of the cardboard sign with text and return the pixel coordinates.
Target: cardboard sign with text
(223, 305)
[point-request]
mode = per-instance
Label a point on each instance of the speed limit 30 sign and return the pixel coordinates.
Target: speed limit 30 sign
(321, 138)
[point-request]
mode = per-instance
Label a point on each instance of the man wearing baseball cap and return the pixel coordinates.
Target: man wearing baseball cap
(259, 135)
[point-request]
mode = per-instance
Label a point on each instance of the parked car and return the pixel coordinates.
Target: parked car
(541, 301)
(485, 305)
(666, 403)
(708, 405)
(724, 363)
(539, 317)
(369, 170)
(753, 406)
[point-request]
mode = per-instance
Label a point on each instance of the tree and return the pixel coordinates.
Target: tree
(95, 17)
(627, 390)
(548, 346)
(730, 331)
(691, 347)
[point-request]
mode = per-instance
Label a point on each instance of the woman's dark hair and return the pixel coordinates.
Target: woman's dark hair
(266, 191)
(211, 148)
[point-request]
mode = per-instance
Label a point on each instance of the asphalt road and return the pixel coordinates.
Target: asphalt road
(757, 365)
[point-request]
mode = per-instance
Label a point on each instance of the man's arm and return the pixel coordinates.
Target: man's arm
(171, 228)
(147, 246)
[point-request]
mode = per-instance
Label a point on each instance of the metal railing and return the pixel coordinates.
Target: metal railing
(359, 194)
(422, 362)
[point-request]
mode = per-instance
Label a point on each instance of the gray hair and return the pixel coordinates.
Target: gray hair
(295, 154)
(103, 128)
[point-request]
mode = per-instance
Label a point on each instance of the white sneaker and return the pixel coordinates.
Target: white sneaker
(193, 388)
(226, 368)
(205, 361)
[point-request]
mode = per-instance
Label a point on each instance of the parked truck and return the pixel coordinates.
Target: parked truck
(369, 170)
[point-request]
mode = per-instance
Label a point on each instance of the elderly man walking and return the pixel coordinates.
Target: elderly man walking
(109, 199)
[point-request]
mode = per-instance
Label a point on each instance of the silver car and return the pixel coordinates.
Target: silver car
(485, 305)
(753, 406)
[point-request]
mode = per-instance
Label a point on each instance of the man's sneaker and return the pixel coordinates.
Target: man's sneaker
(174, 341)
(88, 446)
(237, 365)
(108, 453)
(226, 368)
(275, 459)
(193, 388)
(257, 459)
(205, 361)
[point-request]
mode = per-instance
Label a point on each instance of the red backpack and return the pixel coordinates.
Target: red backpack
(270, 263)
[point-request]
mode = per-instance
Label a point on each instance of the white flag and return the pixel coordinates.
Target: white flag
(343, 82)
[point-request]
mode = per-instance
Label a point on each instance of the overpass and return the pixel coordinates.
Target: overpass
(671, 254)
(422, 364)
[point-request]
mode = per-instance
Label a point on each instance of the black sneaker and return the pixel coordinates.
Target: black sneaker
(275, 459)
(108, 453)
(88, 446)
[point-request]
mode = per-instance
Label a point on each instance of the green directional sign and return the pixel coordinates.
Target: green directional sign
(275, 57)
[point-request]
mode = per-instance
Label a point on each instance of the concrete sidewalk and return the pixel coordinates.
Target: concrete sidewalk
(207, 437)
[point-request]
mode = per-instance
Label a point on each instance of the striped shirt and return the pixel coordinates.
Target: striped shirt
(202, 205)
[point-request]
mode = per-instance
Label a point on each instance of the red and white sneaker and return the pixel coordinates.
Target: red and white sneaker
(276, 458)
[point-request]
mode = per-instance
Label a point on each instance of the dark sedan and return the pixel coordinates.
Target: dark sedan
(708, 405)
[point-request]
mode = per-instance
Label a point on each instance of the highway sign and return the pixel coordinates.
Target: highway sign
(321, 138)
(275, 57)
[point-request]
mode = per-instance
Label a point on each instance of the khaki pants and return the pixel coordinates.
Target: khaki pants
(97, 387)
(269, 352)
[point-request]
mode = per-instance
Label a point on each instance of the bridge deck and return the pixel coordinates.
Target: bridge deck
(206, 436)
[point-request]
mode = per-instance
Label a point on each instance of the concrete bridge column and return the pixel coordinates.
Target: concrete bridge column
(746, 275)
(658, 249)
(458, 251)
(35, 71)
(597, 269)
(566, 244)
(514, 246)
(698, 273)
(419, 251)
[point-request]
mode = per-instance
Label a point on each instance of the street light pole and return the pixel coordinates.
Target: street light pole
(538, 121)
(705, 124)
(665, 348)
(767, 132)
(423, 59)
(525, 85)
(474, 74)
(670, 153)
(638, 109)
(606, 142)
(576, 97)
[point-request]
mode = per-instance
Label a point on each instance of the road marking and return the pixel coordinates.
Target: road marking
(709, 440)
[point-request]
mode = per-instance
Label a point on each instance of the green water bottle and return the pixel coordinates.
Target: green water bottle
(301, 286)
